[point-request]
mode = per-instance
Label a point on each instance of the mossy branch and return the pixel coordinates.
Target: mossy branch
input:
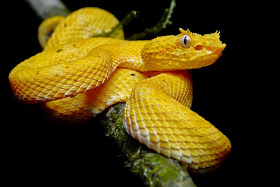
(164, 21)
(162, 24)
(153, 168)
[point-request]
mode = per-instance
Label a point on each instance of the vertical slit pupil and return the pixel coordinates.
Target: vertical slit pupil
(185, 40)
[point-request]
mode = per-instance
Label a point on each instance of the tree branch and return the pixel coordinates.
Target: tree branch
(154, 169)
(48, 8)
(162, 24)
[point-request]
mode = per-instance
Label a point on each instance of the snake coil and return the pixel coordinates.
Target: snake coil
(77, 76)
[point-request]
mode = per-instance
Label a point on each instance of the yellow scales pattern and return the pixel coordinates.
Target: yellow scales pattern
(78, 76)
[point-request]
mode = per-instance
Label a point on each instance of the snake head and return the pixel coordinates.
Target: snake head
(186, 50)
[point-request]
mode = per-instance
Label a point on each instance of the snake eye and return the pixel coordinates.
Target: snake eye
(186, 41)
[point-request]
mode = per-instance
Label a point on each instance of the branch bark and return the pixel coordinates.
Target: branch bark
(48, 8)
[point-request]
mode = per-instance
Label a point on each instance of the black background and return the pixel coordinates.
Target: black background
(38, 151)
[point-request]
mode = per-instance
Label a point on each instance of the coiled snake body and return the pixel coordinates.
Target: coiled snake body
(77, 76)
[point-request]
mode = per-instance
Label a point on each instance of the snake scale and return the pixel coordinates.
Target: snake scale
(77, 76)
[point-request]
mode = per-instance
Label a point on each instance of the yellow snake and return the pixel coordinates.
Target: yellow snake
(77, 76)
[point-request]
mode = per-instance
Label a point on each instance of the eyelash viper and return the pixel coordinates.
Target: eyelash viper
(77, 76)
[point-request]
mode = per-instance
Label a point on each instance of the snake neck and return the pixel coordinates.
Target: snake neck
(166, 53)
(122, 53)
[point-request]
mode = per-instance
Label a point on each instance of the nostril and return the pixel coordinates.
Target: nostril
(198, 47)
